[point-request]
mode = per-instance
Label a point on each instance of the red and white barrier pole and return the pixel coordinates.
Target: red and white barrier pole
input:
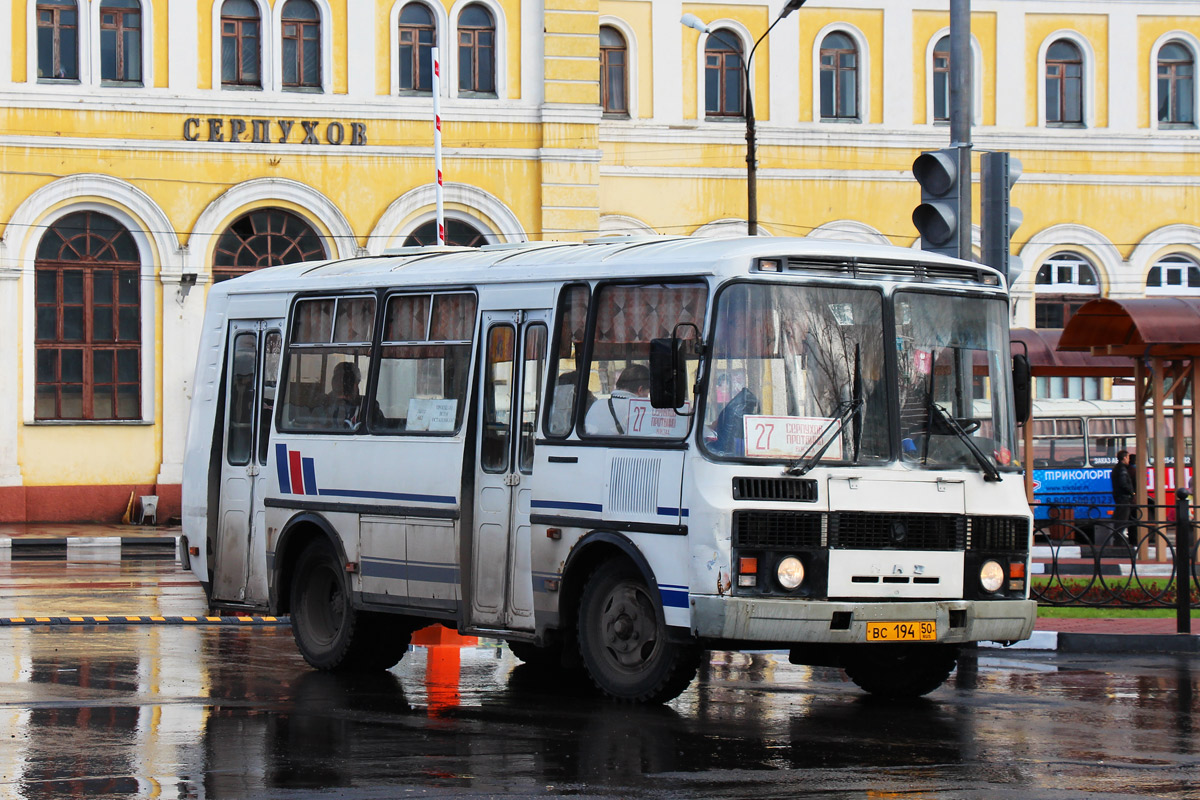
(437, 143)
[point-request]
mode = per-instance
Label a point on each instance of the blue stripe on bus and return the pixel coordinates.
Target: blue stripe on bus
(281, 464)
(427, 498)
(567, 505)
(667, 511)
(407, 571)
(673, 596)
(310, 476)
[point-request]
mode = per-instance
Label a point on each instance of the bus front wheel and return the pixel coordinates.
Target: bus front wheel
(624, 642)
(898, 671)
(331, 634)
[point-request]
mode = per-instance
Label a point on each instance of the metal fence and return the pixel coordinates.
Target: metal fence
(1081, 557)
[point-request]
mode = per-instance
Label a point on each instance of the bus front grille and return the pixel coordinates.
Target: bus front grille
(797, 490)
(858, 530)
(999, 534)
(776, 530)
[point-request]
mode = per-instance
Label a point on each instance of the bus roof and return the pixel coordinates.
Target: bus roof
(609, 257)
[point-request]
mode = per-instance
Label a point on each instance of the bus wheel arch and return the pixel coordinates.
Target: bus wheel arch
(588, 555)
(620, 626)
(299, 532)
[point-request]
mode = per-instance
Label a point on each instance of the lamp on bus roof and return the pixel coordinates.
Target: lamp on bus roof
(766, 265)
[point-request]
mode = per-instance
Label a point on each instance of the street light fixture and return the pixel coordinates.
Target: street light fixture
(692, 21)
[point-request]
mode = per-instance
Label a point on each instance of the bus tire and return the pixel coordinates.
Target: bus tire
(331, 634)
(624, 642)
(900, 671)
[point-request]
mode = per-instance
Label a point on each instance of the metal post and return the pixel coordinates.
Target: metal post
(1183, 563)
(437, 143)
(751, 157)
(960, 114)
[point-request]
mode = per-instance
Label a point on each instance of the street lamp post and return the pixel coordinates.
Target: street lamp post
(692, 21)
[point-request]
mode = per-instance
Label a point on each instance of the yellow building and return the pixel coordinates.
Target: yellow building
(149, 147)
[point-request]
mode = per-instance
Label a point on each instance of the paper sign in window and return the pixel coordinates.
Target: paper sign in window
(787, 437)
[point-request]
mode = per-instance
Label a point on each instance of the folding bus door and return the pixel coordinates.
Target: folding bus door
(513, 363)
(251, 372)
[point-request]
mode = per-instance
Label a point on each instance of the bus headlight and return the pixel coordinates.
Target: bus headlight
(991, 576)
(790, 573)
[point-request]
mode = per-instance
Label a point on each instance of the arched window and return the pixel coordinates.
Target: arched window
(1174, 275)
(265, 238)
(88, 320)
(458, 234)
(723, 78)
(614, 73)
(121, 41)
(941, 80)
(476, 51)
(241, 46)
(58, 40)
(1176, 85)
(1064, 84)
(839, 77)
(1064, 282)
(301, 42)
(416, 42)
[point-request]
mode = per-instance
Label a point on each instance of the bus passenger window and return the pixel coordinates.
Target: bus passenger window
(568, 353)
(628, 318)
(328, 358)
(531, 387)
(424, 363)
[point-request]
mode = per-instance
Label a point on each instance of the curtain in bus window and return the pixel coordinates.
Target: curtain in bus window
(424, 363)
(572, 324)
(628, 317)
(328, 359)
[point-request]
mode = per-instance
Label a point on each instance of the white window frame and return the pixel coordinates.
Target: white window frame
(747, 41)
(864, 74)
(441, 25)
(1072, 286)
(976, 80)
(1087, 96)
(450, 59)
(631, 93)
(327, 45)
(89, 26)
(269, 63)
(1192, 43)
(147, 12)
(1182, 290)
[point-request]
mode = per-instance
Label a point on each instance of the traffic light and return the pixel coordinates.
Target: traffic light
(940, 219)
(998, 173)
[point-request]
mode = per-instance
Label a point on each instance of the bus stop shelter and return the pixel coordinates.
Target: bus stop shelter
(1159, 339)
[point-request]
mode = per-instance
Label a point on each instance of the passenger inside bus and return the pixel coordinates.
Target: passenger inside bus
(345, 400)
(611, 417)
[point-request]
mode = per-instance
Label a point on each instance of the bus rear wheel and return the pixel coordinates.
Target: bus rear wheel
(331, 634)
(901, 671)
(624, 641)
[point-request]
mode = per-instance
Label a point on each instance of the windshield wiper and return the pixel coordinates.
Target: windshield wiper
(989, 469)
(846, 410)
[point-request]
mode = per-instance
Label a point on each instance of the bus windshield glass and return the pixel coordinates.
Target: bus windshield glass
(797, 374)
(955, 406)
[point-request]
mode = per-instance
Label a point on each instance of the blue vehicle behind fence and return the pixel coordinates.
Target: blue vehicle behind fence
(1075, 445)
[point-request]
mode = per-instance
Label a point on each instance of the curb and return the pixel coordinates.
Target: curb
(1123, 643)
(88, 548)
(122, 619)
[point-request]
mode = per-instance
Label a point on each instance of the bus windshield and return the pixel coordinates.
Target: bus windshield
(797, 373)
(952, 357)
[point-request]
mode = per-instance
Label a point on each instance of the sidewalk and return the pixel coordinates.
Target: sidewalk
(93, 542)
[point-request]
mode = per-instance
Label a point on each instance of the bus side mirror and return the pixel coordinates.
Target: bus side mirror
(1022, 387)
(668, 373)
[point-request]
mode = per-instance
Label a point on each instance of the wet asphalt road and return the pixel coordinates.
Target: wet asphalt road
(225, 712)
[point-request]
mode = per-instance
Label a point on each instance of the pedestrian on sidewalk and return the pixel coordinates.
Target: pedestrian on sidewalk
(1123, 490)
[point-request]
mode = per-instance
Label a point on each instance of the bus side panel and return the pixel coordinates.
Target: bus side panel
(396, 503)
(634, 492)
(197, 490)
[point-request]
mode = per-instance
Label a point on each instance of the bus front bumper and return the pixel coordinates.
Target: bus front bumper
(786, 621)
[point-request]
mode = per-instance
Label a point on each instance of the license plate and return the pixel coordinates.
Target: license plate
(918, 631)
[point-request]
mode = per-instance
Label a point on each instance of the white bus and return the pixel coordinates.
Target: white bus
(616, 454)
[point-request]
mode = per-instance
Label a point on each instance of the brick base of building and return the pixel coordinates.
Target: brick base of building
(85, 503)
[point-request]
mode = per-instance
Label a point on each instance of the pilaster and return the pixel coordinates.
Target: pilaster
(10, 363)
